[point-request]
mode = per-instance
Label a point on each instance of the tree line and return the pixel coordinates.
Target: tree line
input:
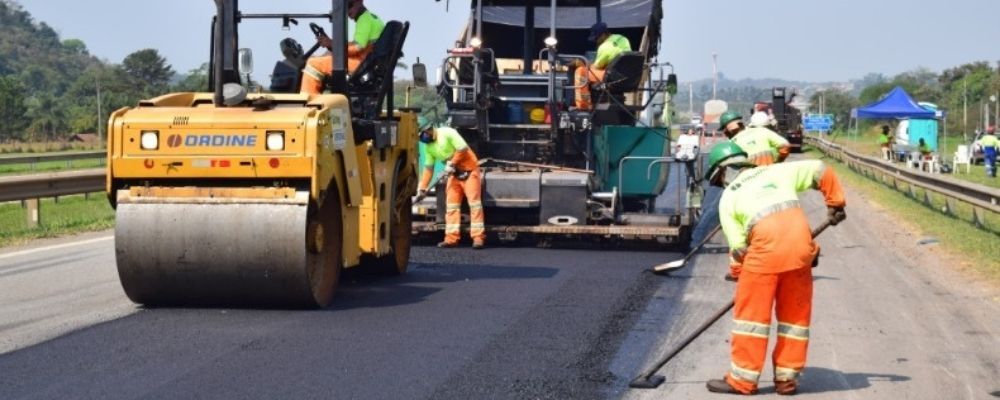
(51, 89)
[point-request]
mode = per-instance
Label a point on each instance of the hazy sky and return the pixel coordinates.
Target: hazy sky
(792, 39)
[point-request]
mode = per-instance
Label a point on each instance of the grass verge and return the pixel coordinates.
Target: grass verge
(71, 214)
(980, 249)
(50, 166)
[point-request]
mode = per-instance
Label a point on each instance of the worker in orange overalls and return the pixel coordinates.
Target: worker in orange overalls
(762, 145)
(768, 233)
(368, 27)
(447, 145)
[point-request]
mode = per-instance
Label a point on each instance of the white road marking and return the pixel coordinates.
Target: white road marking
(55, 246)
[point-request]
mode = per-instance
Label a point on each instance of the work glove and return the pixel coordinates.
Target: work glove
(421, 192)
(449, 168)
(836, 215)
(736, 255)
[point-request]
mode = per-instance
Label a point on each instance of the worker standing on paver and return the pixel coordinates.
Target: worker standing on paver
(768, 233)
(990, 145)
(447, 145)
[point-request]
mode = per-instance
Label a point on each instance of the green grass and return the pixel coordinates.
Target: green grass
(865, 143)
(71, 214)
(976, 247)
(50, 166)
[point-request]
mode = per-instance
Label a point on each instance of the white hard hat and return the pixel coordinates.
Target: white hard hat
(759, 118)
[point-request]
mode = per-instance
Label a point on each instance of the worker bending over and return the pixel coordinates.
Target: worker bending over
(609, 46)
(465, 180)
(368, 27)
(768, 233)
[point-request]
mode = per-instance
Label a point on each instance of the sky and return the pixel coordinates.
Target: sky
(807, 40)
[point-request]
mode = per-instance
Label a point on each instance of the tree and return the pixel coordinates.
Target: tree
(149, 71)
(836, 101)
(12, 109)
(196, 80)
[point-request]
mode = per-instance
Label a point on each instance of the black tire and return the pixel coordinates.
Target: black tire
(325, 267)
(400, 228)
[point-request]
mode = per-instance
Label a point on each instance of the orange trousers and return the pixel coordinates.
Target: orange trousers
(320, 67)
(789, 294)
(471, 190)
(583, 80)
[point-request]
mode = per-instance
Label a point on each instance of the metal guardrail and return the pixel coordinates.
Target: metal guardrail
(980, 198)
(24, 187)
(39, 158)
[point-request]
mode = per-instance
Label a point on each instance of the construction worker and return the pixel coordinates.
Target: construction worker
(731, 123)
(763, 145)
(990, 145)
(884, 143)
(609, 46)
(768, 233)
(368, 27)
(446, 145)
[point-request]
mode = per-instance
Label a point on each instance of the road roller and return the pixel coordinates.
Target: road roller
(242, 196)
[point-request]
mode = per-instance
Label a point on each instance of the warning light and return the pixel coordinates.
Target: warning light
(274, 163)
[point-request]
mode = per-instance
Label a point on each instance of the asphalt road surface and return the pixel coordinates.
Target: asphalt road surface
(891, 320)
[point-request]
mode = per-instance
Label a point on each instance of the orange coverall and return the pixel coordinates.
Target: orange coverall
(762, 146)
(761, 217)
(449, 145)
(367, 30)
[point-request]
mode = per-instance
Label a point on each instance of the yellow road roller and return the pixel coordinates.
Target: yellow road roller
(246, 197)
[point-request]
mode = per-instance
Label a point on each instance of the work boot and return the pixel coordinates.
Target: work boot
(720, 386)
(447, 244)
(478, 244)
(786, 388)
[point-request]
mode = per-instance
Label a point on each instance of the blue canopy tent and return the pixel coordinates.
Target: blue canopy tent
(897, 104)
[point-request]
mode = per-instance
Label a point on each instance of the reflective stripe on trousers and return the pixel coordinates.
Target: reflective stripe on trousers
(789, 295)
(457, 190)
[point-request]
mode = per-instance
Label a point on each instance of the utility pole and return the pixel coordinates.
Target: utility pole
(100, 136)
(965, 109)
(715, 74)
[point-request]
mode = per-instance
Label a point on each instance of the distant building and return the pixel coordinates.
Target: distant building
(85, 138)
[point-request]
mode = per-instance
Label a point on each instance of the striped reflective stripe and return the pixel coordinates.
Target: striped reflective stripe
(785, 374)
(313, 72)
(793, 331)
(450, 228)
(479, 225)
(452, 206)
(475, 204)
(744, 374)
(782, 206)
(750, 328)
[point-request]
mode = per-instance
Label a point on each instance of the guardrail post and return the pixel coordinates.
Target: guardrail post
(33, 213)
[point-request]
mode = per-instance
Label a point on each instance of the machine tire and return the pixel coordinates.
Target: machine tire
(324, 268)
(400, 228)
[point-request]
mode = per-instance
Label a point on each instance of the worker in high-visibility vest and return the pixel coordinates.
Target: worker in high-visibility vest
(368, 27)
(731, 124)
(769, 234)
(990, 145)
(443, 144)
(763, 146)
(609, 46)
(885, 144)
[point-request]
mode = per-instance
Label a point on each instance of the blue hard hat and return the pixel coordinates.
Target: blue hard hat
(597, 30)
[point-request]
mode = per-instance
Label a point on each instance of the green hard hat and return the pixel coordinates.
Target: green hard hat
(727, 117)
(720, 153)
(423, 123)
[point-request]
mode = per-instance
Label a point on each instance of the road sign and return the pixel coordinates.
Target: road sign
(817, 122)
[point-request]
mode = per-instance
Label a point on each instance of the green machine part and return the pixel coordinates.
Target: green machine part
(613, 145)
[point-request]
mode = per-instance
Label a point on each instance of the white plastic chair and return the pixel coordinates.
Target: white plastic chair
(932, 165)
(962, 156)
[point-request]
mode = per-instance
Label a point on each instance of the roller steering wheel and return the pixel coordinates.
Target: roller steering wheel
(319, 32)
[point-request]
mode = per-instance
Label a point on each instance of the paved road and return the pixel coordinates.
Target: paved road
(503, 323)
